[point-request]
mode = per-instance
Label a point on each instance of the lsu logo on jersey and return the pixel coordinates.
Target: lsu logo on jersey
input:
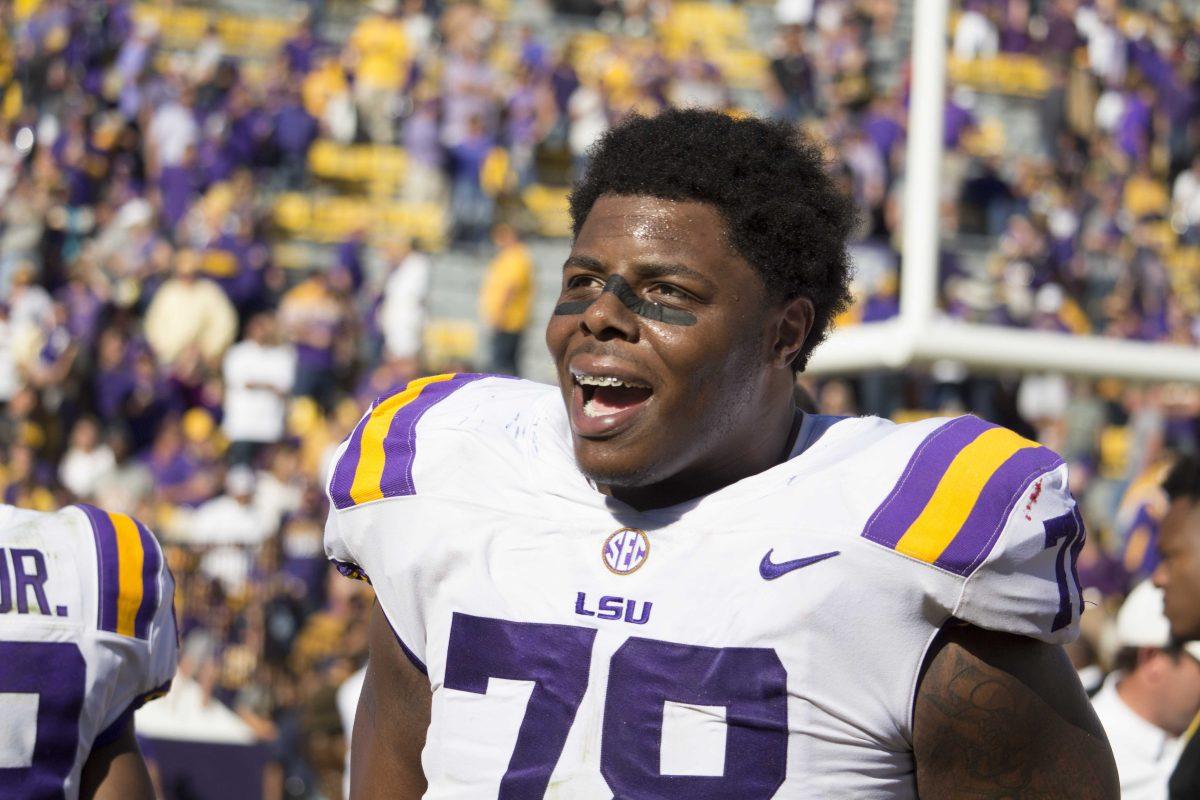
(626, 550)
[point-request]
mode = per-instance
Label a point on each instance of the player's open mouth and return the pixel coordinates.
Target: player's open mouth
(602, 403)
(605, 394)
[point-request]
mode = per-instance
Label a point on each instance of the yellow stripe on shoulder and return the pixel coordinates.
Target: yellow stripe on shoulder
(131, 558)
(957, 492)
(368, 476)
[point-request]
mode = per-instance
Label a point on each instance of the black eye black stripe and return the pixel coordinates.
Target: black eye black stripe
(616, 285)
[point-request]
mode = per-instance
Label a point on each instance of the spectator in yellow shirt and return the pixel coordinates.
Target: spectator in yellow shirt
(379, 46)
(507, 298)
(190, 311)
(1145, 195)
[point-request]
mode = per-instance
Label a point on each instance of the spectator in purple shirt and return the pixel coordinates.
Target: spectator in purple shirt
(1134, 129)
(563, 83)
(238, 263)
(250, 129)
(213, 156)
(131, 63)
(178, 187)
(147, 402)
(349, 259)
(1014, 32)
(471, 207)
(523, 114)
(469, 93)
(300, 51)
(957, 121)
(81, 164)
(424, 181)
(114, 376)
(178, 476)
(1061, 35)
(883, 123)
(312, 316)
(294, 132)
(535, 57)
(81, 300)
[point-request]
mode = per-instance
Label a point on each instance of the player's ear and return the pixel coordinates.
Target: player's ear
(792, 330)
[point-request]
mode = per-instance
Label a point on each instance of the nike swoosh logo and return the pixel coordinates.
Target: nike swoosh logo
(770, 570)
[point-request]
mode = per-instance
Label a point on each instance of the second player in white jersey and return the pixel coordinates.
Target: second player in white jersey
(87, 634)
(762, 641)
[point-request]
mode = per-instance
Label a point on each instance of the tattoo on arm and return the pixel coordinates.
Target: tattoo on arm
(1002, 717)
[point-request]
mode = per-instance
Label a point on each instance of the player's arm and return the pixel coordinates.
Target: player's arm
(116, 771)
(391, 721)
(1004, 716)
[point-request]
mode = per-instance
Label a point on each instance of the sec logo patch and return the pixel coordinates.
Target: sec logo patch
(626, 550)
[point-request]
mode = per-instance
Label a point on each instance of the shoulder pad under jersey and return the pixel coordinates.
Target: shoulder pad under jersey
(135, 596)
(378, 458)
(992, 509)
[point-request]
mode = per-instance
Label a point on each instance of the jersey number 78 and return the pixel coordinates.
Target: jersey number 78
(644, 674)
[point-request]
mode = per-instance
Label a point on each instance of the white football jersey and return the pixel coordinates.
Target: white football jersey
(761, 641)
(87, 634)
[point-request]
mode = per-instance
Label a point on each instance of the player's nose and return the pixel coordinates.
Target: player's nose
(609, 318)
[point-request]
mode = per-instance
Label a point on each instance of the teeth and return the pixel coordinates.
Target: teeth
(608, 380)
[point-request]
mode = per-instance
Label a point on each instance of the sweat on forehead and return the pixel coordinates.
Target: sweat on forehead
(640, 225)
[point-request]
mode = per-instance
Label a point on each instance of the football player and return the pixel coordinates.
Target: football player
(1178, 575)
(1178, 570)
(661, 580)
(87, 634)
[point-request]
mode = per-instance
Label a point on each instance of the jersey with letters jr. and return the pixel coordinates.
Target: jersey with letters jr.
(87, 634)
(761, 641)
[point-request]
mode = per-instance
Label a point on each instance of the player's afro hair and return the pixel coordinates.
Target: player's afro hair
(785, 215)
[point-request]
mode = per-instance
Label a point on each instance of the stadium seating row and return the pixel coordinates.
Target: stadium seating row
(328, 219)
(333, 219)
(1012, 74)
(379, 168)
(183, 27)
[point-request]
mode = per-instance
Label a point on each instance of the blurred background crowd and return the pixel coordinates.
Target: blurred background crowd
(225, 229)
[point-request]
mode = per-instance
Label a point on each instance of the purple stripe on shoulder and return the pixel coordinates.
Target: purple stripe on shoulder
(343, 471)
(400, 444)
(920, 478)
(151, 564)
(982, 528)
(108, 564)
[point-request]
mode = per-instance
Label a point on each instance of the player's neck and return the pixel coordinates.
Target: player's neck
(756, 447)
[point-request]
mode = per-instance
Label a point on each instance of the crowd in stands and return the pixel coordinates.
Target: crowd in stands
(1069, 183)
(159, 355)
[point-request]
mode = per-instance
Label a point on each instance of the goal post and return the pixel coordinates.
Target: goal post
(920, 334)
(894, 344)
